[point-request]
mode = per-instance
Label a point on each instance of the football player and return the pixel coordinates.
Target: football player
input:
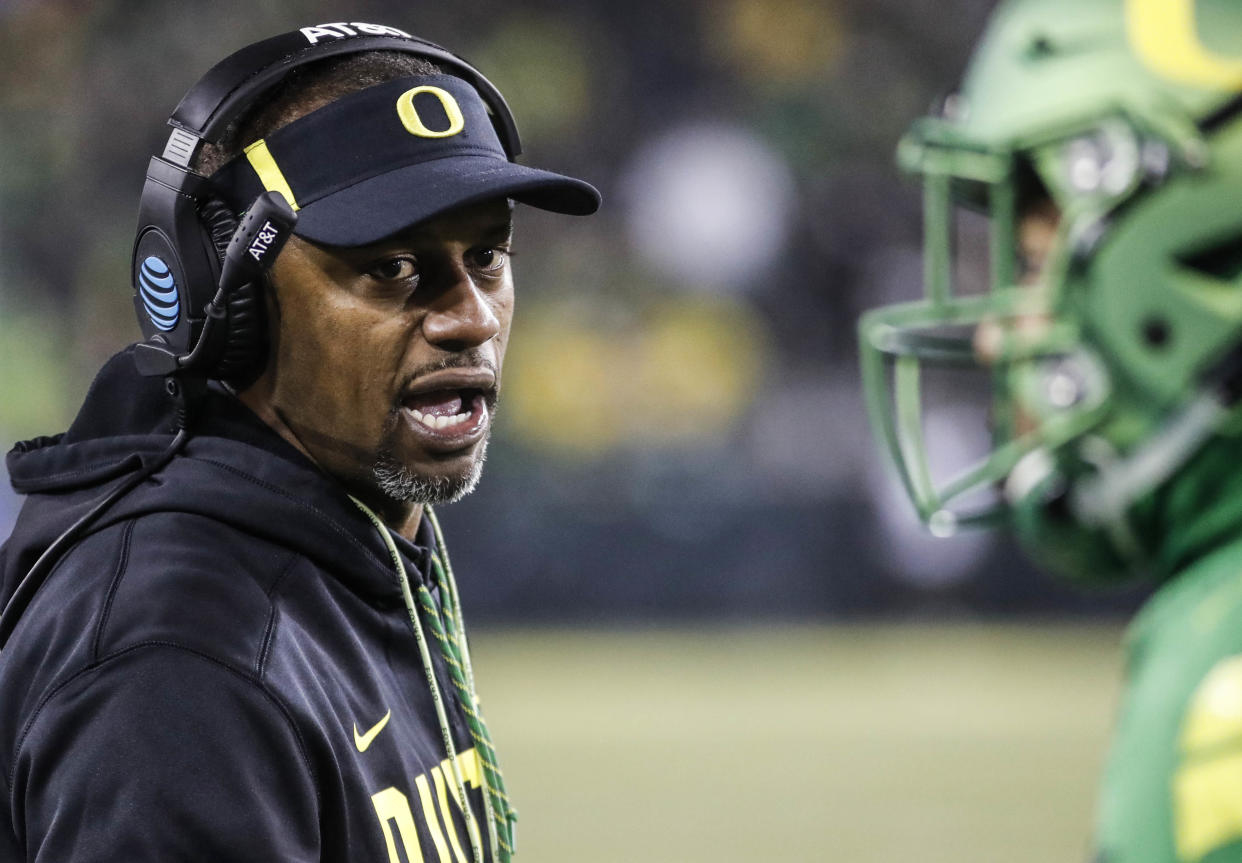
(1102, 140)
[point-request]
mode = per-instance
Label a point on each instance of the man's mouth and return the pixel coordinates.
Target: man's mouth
(450, 409)
(447, 410)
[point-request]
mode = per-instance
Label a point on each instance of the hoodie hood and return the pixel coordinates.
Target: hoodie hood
(234, 469)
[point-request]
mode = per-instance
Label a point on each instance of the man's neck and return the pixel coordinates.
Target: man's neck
(400, 516)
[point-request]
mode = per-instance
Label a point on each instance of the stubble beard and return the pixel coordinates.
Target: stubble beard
(399, 483)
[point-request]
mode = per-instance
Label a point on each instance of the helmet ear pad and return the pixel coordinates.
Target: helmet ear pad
(244, 354)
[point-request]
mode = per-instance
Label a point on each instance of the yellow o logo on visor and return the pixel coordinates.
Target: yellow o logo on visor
(1164, 34)
(414, 124)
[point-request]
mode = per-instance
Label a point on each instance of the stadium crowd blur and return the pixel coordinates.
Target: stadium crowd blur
(681, 433)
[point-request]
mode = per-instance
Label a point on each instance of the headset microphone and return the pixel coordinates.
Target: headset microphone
(261, 234)
(259, 237)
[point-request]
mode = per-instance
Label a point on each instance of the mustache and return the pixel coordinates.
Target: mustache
(472, 359)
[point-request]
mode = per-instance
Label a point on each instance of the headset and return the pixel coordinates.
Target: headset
(198, 267)
(199, 321)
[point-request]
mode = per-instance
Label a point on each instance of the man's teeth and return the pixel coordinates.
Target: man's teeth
(433, 422)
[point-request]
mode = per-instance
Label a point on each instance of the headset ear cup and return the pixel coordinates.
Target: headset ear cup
(244, 354)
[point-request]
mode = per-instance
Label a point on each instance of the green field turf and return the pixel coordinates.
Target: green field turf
(893, 743)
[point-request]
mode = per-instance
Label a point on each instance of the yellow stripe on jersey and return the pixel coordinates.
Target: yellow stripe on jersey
(1207, 801)
(269, 172)
(1207, 788)
(1214, 716)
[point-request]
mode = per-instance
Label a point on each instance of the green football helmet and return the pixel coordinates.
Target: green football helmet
(1122, 360)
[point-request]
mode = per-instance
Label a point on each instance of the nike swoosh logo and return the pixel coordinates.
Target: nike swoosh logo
(363, 741)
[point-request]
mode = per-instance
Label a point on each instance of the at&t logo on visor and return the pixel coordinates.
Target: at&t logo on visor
(159, 293)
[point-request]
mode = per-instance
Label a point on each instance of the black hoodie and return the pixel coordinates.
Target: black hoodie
(224, 667)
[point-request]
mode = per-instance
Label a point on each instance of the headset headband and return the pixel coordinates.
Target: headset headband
(233, 84)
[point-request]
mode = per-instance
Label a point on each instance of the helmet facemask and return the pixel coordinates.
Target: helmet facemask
(1100, 366)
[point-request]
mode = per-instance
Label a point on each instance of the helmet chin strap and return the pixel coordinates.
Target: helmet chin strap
(1105, 497)
(1102, 499)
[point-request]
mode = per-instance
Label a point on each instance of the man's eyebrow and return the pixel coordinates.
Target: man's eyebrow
(500, 229)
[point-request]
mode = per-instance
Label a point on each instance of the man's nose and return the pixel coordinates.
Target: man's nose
(462, 316)
(995, 338)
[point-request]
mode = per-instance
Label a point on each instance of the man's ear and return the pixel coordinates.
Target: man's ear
(259, 382)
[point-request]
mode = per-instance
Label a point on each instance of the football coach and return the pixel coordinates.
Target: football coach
(230, 628)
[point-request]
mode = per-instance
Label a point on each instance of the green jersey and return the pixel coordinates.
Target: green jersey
(1172, 790)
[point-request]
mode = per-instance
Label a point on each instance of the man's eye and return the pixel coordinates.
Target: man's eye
(1030, 266)
(395, 270)
(490, 259)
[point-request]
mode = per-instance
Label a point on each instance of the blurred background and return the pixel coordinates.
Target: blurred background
(709, 626)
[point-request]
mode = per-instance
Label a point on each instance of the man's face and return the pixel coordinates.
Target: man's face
(1037, 231)
(385, 359)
